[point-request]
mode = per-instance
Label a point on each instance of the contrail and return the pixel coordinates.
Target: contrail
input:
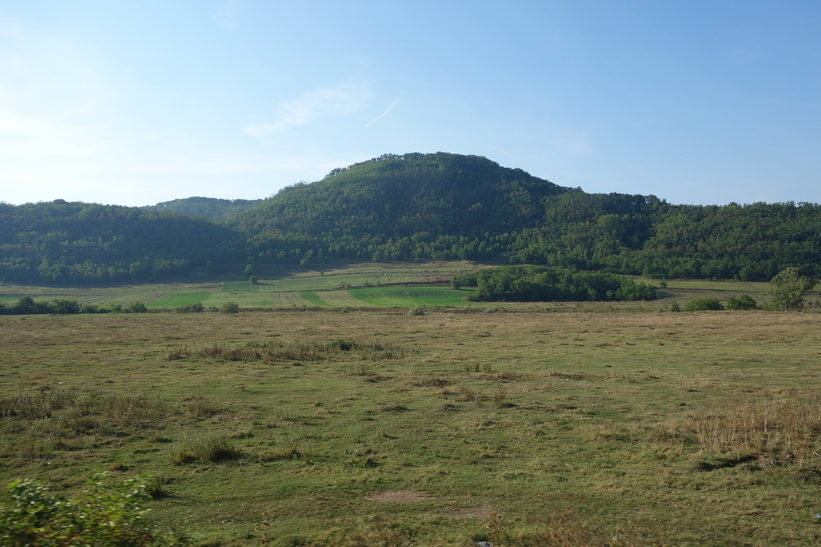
(385, 113)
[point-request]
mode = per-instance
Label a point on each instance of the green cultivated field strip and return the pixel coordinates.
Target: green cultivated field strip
(751, 287)
(289, 299)
(411, 296)
(341, 299)
(180, 299)
(313, 298)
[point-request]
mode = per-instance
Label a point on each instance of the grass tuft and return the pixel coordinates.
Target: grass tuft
(210, 448)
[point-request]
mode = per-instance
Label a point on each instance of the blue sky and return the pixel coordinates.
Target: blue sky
(137, 102)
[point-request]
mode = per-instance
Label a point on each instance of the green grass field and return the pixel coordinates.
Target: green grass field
(346, 426)
(412, 296)
(180, 300)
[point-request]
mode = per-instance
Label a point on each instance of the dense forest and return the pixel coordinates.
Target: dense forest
(410, 207)
(60, 242)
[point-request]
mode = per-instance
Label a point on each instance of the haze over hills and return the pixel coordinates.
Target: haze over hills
(409, 207)
(210, 208)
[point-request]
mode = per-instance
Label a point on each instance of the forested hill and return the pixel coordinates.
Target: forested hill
(410, 207)
(420, 206)
(399, 207)
(61, 242)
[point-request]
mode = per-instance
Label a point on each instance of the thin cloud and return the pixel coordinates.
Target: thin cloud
(382, 115)
(311, 106)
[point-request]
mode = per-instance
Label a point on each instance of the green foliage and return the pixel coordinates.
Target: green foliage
(230, 307)
(196, 307)
(540, 284)
(26, 305)
(703, 304)
(136, 307)
(103, 513)
(743, 302)
(789, 288)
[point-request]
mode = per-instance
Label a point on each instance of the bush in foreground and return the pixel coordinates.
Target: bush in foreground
(104, 513)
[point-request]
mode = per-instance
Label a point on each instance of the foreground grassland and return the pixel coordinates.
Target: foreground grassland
(377, 427)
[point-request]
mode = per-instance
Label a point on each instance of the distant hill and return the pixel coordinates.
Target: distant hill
(410, 207)
(210, 208)
(421, 206)
(406, 200)
(71, 242)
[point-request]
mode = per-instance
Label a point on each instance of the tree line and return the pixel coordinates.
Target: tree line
(61, 243)
(28, 306)
(542, 284)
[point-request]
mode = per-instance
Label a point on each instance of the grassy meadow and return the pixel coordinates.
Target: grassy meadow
(360, 285)
(519, 425)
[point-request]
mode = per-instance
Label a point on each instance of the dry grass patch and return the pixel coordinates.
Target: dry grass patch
(779, 430)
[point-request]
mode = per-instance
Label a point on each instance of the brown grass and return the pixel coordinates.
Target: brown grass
(784, 429)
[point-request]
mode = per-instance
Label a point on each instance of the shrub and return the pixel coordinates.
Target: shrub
(789, 288)
(703, 304)
(191, 308)
(743, 302)
(136, 307)
(104, 513)
(230, 307)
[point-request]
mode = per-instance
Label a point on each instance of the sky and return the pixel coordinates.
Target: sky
(136, 102)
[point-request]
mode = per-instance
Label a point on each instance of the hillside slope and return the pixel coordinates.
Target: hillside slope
(71, 242)
(399, 207)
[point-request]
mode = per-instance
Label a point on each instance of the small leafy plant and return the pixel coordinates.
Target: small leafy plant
(103, 513)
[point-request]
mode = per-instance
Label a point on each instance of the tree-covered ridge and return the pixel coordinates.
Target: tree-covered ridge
(62, 242)
(414, 207)
(442, 206)
(631, 234)
(210, 208)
